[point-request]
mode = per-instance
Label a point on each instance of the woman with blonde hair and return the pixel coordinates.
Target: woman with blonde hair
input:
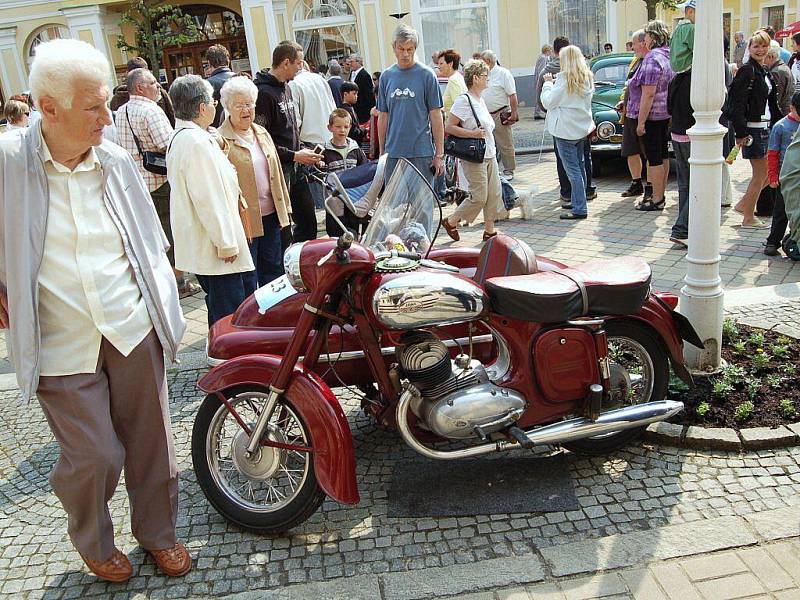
(568, 102)
(469, 118)
(753, 109)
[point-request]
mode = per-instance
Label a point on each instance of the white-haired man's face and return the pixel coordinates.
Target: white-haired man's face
(83, 122)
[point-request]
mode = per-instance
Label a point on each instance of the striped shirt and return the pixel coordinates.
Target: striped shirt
(151, 126)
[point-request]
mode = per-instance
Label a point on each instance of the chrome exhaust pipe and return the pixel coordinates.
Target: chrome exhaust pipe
(630, 417)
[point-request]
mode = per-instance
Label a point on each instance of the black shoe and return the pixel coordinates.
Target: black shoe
(566, 205)
(591, 194)
(648, 192)
(771, 249)
(572, 217)
(634, 189)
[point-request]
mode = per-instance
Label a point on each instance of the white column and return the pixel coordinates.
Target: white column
(745, 4)
(544, 25)
(703, 294)
(364, 48)
(249, 32)
(90, 18)
(8, 41)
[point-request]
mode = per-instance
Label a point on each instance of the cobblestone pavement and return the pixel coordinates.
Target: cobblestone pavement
(642, 503)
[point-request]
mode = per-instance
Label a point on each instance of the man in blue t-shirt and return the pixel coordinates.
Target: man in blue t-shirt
(410, 121)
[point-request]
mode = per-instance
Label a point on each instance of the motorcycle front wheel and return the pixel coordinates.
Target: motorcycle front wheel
(640, 373)
(269, 493)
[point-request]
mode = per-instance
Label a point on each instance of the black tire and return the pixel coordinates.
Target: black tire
(304, 501)
(646, 339)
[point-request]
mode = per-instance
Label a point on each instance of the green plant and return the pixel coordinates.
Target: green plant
(729, 329)
(756, 339)
(677, 387)
(761, 360)
(787, 408)
(789, 369)
(751, 388)
(786, 341)
(652, 5)
(156, 25)
(702, 409)
(732, 373)
(721, 388)
(744, 411)
(739, 347)
(774, 381)
(779, 350)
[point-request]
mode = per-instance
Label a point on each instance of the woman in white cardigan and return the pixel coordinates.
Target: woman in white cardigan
(204, 202)
(569, 120)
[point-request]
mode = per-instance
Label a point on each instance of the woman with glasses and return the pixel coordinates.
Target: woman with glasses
(204, 202)
(251, 150)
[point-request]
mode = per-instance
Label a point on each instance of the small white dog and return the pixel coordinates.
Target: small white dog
(526, 202)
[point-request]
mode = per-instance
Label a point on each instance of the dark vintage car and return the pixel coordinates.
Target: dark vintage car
(610, 72)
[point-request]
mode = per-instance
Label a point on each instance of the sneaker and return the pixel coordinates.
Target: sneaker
(509, 175)
(634, 189)
(566, 205)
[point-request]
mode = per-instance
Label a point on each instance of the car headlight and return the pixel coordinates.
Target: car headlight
(291, 265)
(605, 130)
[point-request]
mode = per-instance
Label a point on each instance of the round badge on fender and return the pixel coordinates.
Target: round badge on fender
(396, 264)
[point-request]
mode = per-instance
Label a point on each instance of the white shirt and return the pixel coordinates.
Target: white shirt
(462, 110)
(354, 74)
(87, 289)
(313, 102)
(501, 86)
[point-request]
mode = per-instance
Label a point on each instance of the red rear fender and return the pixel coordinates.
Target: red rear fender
(334, 459)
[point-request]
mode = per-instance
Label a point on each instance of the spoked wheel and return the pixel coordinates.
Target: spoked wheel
(270, 492)
(639, 374)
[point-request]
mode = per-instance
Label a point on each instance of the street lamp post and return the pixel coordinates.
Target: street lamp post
(702, 293)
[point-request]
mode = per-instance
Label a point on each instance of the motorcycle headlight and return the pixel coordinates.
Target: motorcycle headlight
(605, 130)
(291, 265)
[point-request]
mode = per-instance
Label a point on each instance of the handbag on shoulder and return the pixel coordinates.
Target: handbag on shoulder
(469, 149)
(153, 162)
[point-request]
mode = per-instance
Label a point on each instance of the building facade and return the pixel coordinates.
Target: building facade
(515, 29)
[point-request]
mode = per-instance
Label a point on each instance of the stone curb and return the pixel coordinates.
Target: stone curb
(554, 563)
(723, 438)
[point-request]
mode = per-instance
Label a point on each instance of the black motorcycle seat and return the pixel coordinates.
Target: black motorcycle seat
(612, 287)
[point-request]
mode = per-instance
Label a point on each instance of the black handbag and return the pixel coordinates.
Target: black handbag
(469, 149)
(153, 162)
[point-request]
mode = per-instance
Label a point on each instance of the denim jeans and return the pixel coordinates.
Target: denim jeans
(572, 156)
(423, 164)
(224, 294)
(303, 215)
(680, 229)
(267, 255)
(563, 181)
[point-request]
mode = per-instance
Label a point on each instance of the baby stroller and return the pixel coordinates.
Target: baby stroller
(363, 185)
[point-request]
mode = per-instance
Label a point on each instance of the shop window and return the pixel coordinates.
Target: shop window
(215, 22)
(775, 17)
(582, 21)
(459, 24)
(326, 29)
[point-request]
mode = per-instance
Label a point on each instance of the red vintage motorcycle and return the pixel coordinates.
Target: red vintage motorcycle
(574, 356)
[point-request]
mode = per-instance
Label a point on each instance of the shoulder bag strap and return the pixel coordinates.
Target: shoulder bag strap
(135, 139)
(173, 137)
(474, 114)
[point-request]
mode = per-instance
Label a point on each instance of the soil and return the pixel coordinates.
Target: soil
(765, 373)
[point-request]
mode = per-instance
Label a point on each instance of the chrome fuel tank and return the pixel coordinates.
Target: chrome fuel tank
(424, 299)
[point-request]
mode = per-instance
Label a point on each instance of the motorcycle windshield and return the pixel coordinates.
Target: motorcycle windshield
(407, 216)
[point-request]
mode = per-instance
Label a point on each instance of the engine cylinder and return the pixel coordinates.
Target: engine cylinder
(424, 359)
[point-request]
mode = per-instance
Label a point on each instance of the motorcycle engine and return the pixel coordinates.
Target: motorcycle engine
(457, 400)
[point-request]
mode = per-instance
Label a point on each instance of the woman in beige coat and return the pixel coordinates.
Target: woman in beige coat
(204, 202)
(251, 151)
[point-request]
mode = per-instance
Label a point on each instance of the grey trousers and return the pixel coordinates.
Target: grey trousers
(117, 416)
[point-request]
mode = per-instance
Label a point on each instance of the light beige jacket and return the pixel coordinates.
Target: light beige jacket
(204, 205)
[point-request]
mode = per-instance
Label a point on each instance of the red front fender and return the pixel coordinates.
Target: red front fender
(334, 459)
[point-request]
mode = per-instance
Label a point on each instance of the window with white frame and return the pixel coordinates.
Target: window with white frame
(459, 24)
(45, 34)
(583, 22)
(326, 29)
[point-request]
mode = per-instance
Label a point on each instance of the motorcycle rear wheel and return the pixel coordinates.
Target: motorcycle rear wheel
(271, 494)
(634, 347)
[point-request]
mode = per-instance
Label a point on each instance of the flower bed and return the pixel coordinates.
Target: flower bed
(758, 387)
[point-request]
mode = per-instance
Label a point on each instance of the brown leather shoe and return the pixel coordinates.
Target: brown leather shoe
(487, 236)
(117, 568)
(452, 230)
(173, 562)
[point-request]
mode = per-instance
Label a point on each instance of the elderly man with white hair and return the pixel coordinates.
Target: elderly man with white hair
(502, 102)
(366, 89)
(91, 307)
(781, 76)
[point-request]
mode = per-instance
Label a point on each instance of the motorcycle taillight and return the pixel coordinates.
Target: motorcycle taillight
(669, 299)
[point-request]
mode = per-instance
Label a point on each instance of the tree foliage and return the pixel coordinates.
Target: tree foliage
(652, 5)
(157, 26)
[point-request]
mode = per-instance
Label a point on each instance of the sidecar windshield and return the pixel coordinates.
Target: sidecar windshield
(407, 213)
